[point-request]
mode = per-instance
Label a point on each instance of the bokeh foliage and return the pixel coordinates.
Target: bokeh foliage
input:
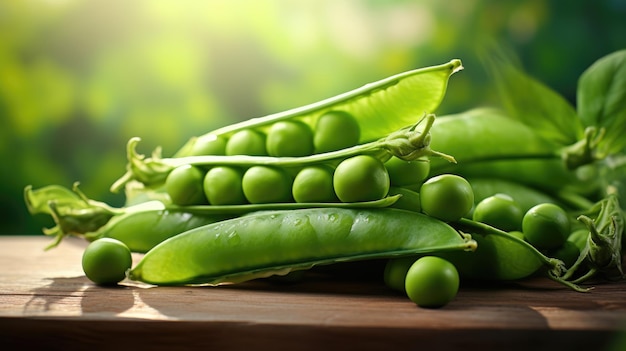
(78, 78)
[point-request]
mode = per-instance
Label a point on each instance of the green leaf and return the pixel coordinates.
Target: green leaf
(535, 104)
(601, 99)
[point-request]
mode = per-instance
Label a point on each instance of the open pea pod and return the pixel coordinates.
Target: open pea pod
(379, 108)
(278, 242)
(408, 143)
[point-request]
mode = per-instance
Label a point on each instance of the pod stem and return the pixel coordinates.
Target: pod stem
(603, 250)
(408, 143)
(72, 212)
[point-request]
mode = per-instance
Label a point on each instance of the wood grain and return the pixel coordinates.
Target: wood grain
(45, 301)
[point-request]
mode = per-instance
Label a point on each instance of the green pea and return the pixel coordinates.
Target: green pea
(209, 144)
(335, 130)
(276, 242)
(546, 226)
(246, 142)
(262, 184)
(447, 197)
(361, 178)
(404, 173)
(499, 211)
(314, 184)
(289, 138)
(432, 282)
(184, 185)
(395, 272)
(223, 186)
(105, 261)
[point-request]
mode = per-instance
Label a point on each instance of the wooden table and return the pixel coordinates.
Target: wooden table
(47, 303)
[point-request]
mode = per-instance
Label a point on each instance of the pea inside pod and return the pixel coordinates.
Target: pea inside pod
(278, 242)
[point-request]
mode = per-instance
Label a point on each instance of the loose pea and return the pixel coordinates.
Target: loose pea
(223, 186)
(403, 173)
(335, 130)
(209, 144)
(314, 184)
(361, 178)
(184, 185)
(262, 184)
(499, 211)
(289, 138)
(246, 142)
(447, 197)
(105, 261)
(546, 226)
(432, 282)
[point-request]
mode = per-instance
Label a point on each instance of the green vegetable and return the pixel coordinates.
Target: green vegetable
(503, 256)
(278, 242)
(361, 178)
(289, 138)
(222, 185)
(432, 282)
(523, 195)
(314, 184)
(141, 230)
(262, 184)
(379, 108)
(602, 253)
(184, 185)
(246, 142)
(495, 145)
(407, 173)
(336, 130)
(408, 143)
(500, 211)
(546, 226)
(209, 145)
(447, 197)
(105, 261)
(140, 226)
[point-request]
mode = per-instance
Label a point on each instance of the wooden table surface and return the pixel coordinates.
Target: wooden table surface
(46, 302)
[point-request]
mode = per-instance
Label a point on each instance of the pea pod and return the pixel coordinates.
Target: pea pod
(525, 196)
(278, 242)
(379, 107)
(142, 230)
(145, 224)
(487, 143)
(408, 143)
(504, 256)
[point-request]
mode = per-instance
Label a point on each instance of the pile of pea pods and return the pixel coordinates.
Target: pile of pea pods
(368, 174)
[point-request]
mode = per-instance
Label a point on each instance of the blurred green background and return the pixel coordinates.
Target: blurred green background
(79, 78)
